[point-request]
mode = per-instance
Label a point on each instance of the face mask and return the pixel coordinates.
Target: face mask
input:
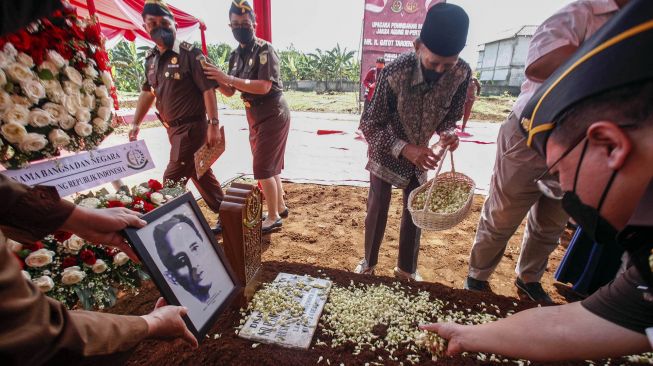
(243, 35)
(163, 36)
(589, 218)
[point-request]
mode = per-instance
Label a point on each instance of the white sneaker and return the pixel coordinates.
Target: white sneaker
(364, 268)
(407, 276)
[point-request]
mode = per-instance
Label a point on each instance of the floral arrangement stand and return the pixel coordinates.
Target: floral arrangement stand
(56, 89)
(76, 272)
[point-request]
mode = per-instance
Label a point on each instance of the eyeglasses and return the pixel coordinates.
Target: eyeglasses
(240, 25)
(549, 184)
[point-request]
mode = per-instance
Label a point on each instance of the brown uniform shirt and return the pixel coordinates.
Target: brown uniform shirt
(257, 61)
(178, 81)
(35, 329)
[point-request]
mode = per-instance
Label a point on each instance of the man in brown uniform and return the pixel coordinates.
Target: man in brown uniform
(184, 98)
(254, 71)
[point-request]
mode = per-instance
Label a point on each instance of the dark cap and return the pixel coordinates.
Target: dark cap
(156, 8)
(240, 7)
(617, 55)
(445, 29)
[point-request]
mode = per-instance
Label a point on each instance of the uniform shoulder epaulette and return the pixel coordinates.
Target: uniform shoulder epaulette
(187, 46)
(261, 42)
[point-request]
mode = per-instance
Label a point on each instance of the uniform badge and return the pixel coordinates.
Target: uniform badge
(263, 57)
(174, 60)
(525, 124)
(167, 74)
(251, 61)
(397, 6)
(177, 76)
(411, 6)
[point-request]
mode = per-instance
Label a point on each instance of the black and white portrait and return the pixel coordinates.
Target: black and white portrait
(184, 260)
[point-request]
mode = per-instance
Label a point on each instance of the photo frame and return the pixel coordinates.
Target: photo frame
(185, 262)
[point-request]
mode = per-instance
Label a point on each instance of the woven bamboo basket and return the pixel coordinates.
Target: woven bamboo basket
(426, 219)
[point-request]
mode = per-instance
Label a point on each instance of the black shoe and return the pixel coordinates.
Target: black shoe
(218, 228)
(534, 291)
(284, 214)
(276, 224)
(473, 284)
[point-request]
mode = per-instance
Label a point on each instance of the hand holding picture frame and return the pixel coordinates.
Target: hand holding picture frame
(185, 261)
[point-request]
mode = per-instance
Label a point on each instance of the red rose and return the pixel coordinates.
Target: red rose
(102, 59)
(112, 204)
(68, 262)
(147, 207)
(20, 261)
(62, 236)
(92, 34)
(87, 256)
(35, 246)
(154, 185)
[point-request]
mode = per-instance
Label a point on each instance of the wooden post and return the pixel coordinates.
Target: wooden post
(240, 213)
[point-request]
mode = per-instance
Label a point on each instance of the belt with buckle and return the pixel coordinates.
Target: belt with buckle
(180, 121)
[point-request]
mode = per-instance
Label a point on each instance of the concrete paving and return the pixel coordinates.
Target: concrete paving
(311, 158)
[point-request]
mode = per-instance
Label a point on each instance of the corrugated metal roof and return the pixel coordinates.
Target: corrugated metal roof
(524, 30)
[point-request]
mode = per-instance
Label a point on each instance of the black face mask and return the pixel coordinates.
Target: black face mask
(431, 76)
(163, 36)
(589, 218)
(243, 35)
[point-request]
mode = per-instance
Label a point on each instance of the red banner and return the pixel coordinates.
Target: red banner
(390, 27)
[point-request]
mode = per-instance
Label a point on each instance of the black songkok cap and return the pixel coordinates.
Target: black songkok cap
(240, 7)
(156, 8)
(445, 29)
(617, 55)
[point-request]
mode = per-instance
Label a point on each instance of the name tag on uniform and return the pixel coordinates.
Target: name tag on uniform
(173, 66)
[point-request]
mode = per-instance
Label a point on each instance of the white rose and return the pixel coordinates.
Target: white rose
(33, 89)
(5, 101)
(10, 50)
(99, 266)
(49, 65)
(106, 102)
(72, 275)
(16, 114)
(53, 90)
(104, 113)
(157, 198)
(5, 60)
(19, 100)
(72, 103)
(25, 59)
(73, 75)
(67, 122)
(57, 59)
(33, 142)
(88, 101)
(89, 86)
(142, 190)
(90, 202)
(107, 79)
(39, 118)
(125, 199)
(102, 91)
(19, 72)
(13, 132)
(14, 246)
(91, 72)
(112, 197)
(83, 129)
(83, 115)
(44, 283)
(70, 88)
(120, 259)
(57, 111)
(26, 275)
(39, 258)
(3, 78)
(58, 138)
(74, 243)
(100, 125)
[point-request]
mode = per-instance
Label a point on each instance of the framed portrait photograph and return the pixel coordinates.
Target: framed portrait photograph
(185, 261)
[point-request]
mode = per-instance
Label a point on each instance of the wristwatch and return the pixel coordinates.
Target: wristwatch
(214, 121)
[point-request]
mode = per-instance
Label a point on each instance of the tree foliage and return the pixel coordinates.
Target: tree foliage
(329, 66)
